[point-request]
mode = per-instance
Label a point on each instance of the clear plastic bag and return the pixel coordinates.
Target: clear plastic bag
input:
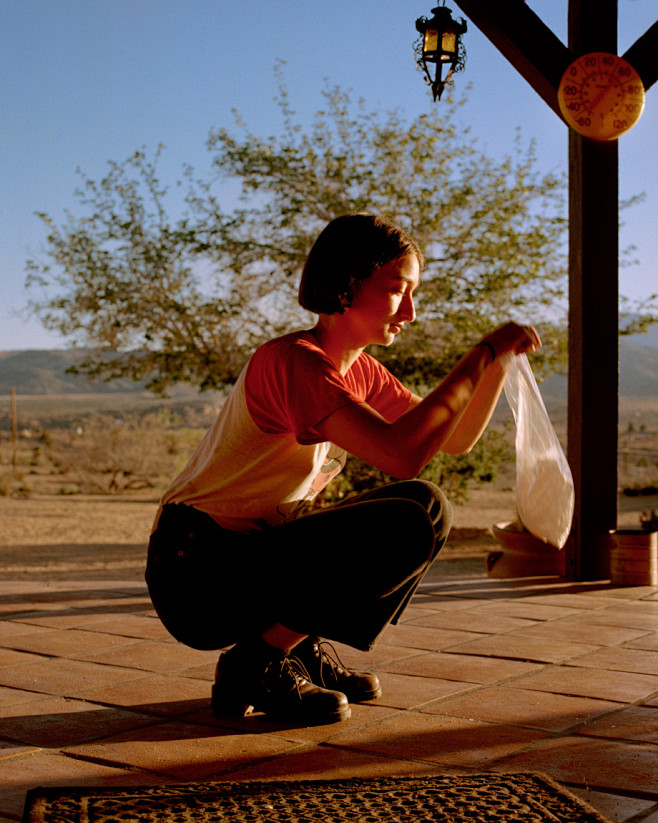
(544, 484)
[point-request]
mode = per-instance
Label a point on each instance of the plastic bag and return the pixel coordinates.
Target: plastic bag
(544, 485)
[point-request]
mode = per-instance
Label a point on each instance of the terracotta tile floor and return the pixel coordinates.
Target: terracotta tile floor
(538, 674)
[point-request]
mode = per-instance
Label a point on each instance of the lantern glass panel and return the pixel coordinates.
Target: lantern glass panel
(431, 41)
(449, 44)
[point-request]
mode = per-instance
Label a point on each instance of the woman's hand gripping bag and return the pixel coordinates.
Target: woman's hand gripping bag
(544, 484)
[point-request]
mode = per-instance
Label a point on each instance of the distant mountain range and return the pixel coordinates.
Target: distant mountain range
(638, 370)
(638, 375)
(43, 371)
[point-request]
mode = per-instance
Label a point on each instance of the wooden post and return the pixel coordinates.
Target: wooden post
(593, 351)
(593, 315)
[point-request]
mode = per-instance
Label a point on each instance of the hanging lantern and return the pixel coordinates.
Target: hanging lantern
(439, 46)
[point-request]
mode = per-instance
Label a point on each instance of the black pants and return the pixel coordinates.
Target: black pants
(343, 573)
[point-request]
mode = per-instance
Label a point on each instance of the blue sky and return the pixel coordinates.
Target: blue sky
(87, 81)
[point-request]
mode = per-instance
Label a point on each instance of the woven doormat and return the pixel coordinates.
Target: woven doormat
(521, 798)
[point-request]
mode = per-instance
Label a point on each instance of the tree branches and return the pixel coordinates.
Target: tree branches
(187, 298)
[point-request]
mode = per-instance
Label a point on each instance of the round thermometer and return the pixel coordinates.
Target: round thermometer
(601, 95)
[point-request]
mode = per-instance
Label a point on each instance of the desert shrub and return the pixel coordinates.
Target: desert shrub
(68, 488)
(638, 473)
(109, 454)
(639, 490)
(6, 484)
(45, 437)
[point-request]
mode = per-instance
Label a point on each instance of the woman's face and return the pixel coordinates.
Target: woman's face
(383, 303)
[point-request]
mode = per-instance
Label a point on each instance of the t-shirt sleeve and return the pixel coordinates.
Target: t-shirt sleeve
(291, 386)
(385, 393)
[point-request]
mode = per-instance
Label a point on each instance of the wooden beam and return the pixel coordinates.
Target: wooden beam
(592, 26)
(525, 40)
(642, 55)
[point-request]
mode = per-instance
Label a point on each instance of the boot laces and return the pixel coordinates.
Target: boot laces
(291, 669)
(331, 660)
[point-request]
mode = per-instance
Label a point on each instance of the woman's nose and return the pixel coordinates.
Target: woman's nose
(407, 309)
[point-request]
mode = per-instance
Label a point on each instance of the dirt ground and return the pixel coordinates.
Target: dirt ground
(92, 538)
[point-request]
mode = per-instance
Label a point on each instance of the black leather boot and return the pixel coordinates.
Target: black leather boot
(255, 675)
(325, 670)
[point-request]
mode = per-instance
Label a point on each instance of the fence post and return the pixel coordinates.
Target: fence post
(14, 434)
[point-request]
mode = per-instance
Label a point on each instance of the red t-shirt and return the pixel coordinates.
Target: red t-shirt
(263, 460)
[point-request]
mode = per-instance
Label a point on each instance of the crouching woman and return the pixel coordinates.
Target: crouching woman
(239, 559)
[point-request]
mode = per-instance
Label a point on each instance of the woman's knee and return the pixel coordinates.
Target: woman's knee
(430, 497)
(409, 525)
(440, 512)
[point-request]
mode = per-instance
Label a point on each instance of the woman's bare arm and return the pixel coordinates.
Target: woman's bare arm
(451, 418)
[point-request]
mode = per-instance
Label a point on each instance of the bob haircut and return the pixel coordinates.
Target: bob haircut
(346, 252)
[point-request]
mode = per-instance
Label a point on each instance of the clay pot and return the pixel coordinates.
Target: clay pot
(522, 554)
(634, 557)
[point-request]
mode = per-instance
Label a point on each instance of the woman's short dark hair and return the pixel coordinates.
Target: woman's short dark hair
(346, 252)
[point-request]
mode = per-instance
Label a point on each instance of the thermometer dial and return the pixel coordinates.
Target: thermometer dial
(601, 96)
